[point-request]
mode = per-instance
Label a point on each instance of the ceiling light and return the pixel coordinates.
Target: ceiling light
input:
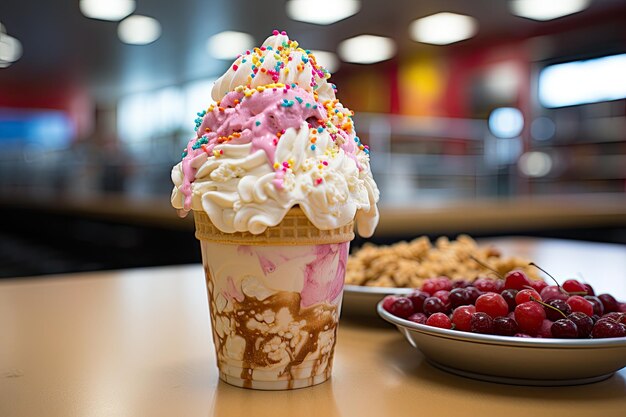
(580, 82)
(107, 9)
(366, 49)
(542, 128)
(535, 164)
(322, 12)
(139, 30)
(327, 60)
(229, 44)
(10, 48)
(506, 122)
(546, 9)
(443, 28)
(503, 81)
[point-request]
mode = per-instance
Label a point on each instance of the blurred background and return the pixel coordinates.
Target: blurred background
(488, 117)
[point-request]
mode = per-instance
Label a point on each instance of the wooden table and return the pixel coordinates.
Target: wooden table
(137, 343)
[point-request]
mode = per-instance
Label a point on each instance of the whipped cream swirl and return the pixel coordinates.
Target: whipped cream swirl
(275, 140)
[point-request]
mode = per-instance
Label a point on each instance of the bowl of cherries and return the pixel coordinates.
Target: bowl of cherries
(513, 330)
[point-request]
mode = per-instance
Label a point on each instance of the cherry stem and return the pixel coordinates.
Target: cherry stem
(545, 272)
(547, 305)
(484, 265)
(557, 283)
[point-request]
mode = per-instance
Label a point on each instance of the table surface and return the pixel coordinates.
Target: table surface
(137, 343)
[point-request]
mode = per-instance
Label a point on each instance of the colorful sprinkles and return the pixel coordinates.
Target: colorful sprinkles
(283, 55)
(271, 63)
(198, 120)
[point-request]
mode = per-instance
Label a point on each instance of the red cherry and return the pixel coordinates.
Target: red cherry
(433, 305)
(609, 302)
(446, 283)
(462, 316)
(589, 289)
(552, 292)
(546, 328)
(460, 283)
(538, 285)
(616, 317)
(526, 295)
(504, 326)
(444, 296)
(598, 307)
(509, 296)
(458, 297)
(607, 328)
(564, 329)
(419, 318)
(433, 285)
(516, 280)
(486, 285)
(481, 323)
(578, 303)
(417, 297)
(472, 293)
(388, 301)
(429, 286)
(402, 307)
(560, 305)
(439, 320)
(529, 317)
(493, 304)
(583, 323)
(573, 286)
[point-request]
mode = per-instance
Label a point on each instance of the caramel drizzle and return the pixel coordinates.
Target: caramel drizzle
(317, 319)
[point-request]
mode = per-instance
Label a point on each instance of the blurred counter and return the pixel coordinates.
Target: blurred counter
(112, 231)
(483, 216)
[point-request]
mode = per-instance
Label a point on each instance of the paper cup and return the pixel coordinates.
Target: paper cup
(274, 300)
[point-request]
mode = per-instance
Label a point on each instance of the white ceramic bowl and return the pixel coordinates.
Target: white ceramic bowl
(359, 300)
(514, 360)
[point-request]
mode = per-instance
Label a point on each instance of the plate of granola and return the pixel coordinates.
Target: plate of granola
(376, 271)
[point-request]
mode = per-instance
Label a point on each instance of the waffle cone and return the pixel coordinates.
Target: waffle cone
(294, 229)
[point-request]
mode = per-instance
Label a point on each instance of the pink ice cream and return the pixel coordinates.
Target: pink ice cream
(324, 277)
(276, 138)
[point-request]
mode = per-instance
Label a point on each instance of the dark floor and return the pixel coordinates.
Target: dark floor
(33, 243)
(36, 243)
